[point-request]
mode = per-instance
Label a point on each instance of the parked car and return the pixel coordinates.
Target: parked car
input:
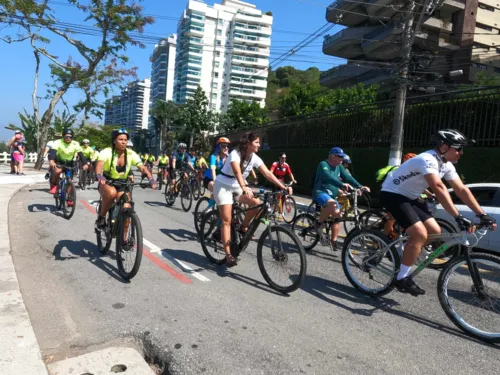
(488, 196)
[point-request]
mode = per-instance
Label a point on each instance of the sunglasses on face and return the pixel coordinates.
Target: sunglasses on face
(68, 137)
(224, 145)
(459, 149)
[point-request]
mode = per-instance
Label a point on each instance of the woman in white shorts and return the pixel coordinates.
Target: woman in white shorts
(232, 182)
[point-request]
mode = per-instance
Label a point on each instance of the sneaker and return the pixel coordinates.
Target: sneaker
(100, 223)
(53, 189)
(47, 175)
(21, 174)
(12, 172)
(335, 245)
(407, 285)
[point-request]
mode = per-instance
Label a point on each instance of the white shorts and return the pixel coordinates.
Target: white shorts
(225, 194)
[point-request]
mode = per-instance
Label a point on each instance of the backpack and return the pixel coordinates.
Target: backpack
(382, 173)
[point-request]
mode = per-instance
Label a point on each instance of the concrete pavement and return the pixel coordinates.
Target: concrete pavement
(19, 350)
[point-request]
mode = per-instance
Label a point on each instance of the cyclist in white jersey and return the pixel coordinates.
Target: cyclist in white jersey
(402, 188)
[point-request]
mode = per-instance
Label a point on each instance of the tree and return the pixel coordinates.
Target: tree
(164, 115)
(139, 140)
(243, 115)
(29, 127)
(100, 136)
(195, 116)
(3, 147)
(113, 20)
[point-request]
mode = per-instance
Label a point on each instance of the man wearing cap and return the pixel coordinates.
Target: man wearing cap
(331, 176)
(281, 168)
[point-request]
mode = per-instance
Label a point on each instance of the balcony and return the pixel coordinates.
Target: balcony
(347, 13)
(250, 61)
(438, 24)
(250, 39)
(383, 42)
(346, 43)
(191, 30)
(242, 70)
(248, 93)
(252, 28)
(433, 41)
(255, 19)
(341, 74)
(384, 9)
(251, 50)
(235, 81)
(453, 6)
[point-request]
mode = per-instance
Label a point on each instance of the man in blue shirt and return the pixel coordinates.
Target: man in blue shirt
(331, 176)
(180, 160)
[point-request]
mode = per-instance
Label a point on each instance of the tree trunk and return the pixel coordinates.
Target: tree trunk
(191, 139)
(45, 123)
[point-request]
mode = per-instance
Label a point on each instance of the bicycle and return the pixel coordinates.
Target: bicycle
(195, 185)
(66, 192)
(181, 187)
(274, 237)
(119, 222)
(379, 262)
(85, 177)
(161, 175)
(304, 223)
(376, 219)
(286, 206)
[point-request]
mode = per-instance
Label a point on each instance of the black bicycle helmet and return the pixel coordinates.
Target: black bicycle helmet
(115, 133)
(451, 137)
(67, 131)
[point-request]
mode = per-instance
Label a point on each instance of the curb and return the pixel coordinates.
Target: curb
(20, 352)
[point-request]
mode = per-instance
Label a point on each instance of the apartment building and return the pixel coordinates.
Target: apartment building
(225, 50)
(458, 34)
(130, 109)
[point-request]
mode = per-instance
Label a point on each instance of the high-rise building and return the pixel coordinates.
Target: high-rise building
(457, 34)
(162, 69)
(225, 49)
(130, 109)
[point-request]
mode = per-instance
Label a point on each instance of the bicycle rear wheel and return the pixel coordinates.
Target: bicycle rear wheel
(160, 181)
(281, 259)
(373, 219)
(368, 264)
(129, 244)
(195, 189)
(82, 180)
(303, 227)
(186, 197)
(210, 238)
(169, 195)
(104, 237)
(200, 210)
(477, 314)
(69, 204)
(289, 209)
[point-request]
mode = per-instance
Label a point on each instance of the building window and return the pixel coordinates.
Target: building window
(214, 96)
(217, 64)
(219, 22)
(216, 75)
(217, 53)
(218, 42)
(219, 32)
(484, 27)
(214, 85)
(486, 7)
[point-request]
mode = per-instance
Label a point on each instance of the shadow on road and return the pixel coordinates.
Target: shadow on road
(45, 190)
(180, 235)
(156, 204)
(41, 207)
(332, 292)
(202, 263)
(87, 249)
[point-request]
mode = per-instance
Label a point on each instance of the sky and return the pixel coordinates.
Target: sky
(294, 20)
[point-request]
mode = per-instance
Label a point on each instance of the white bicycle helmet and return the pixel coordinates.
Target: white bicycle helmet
(451, 137)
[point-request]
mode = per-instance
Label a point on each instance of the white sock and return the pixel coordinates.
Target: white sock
(403, 272)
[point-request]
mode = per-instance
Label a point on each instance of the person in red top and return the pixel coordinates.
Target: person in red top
(281, 168)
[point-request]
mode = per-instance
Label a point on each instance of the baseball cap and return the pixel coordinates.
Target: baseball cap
(18, 132)
(337, 151)
(283, 155)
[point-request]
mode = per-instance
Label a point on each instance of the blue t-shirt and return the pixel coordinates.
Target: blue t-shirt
(182, 159)
(214, 163)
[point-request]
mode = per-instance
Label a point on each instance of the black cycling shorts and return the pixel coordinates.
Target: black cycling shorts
(406, 211)
(206, 181)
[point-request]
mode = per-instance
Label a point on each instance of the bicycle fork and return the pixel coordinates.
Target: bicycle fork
(476, 279)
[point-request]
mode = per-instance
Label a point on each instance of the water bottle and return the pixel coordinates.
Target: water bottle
(114, 214)
(424, 254)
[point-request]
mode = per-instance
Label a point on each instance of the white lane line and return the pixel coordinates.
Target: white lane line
(155, 249)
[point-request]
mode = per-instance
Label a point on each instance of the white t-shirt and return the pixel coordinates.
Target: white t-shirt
(50, 144)
(255, 162)
(408, 179)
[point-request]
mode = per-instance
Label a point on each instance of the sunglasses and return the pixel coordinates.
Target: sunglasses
(68, 137)
(223, 145)
(459, 149)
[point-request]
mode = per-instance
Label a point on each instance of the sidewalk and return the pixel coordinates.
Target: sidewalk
(19, 350)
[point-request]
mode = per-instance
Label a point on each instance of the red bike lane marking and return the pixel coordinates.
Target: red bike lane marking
(151, 257)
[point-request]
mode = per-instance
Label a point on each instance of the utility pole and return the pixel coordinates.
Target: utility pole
(399, 110)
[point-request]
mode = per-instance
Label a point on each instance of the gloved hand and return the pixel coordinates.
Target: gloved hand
(487, 220)
(463, 222)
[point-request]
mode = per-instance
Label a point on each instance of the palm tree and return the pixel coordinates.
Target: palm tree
(29, 127)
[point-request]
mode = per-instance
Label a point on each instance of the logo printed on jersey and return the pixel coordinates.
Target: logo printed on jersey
(405, 177)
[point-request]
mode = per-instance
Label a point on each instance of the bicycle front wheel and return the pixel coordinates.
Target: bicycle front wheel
(289, 209)
(476, 312)
(200, 210)
(303, 227)
(104, 237)
(129, 245)
(282, 259)
(186, 197)
(369, 265)
(69, 204)
(83, 179)
(169, 195)
(210, 238)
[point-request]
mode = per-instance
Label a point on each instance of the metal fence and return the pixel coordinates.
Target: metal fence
(474, 112)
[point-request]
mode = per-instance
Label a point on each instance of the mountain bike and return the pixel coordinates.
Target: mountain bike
(285, 206)
(161, 175)
(304, 224)
(467, 280)
(181, 187)
(124, 225)
(377, 219)
(278, 248)
(65, 195)
(86, 177)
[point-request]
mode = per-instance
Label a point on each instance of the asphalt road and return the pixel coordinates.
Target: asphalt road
(217, 321)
